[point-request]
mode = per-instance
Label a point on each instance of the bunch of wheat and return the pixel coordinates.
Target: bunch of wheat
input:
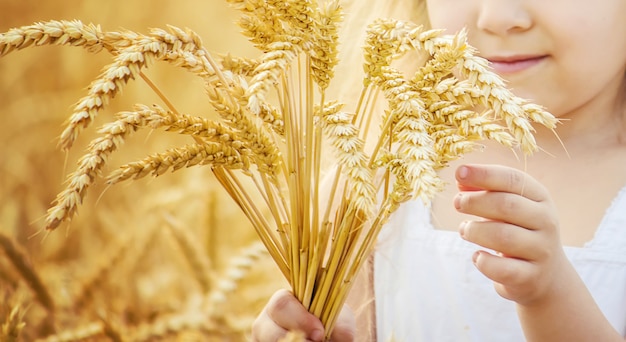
(277, 124)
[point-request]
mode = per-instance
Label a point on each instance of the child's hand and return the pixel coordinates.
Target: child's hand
(284, 313)
(519, 222)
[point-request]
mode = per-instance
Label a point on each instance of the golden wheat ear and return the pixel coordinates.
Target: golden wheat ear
(55, 32)
(227, 284)
(13, 325)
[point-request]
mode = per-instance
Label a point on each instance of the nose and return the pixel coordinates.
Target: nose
(502, 17)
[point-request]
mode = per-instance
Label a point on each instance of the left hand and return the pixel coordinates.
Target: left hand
(518, 221)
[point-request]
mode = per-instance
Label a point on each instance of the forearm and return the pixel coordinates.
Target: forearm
(568, 313)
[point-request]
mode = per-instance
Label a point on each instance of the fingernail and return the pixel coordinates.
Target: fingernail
(457, 201)
(463, 172)
(462, 228)
(475, 257)
(317, 335)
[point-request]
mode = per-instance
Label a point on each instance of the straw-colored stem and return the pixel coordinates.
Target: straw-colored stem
(293, 185)
(158, 92)
(385, 137)
(369, 115)
(310, 180)
(278, 211)
(239, 195)
(19, 260)
(316, 245)
(199, 263)
(361, 108)
(337, 254)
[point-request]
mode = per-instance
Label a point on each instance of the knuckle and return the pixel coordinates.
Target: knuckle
(264, 329)
(506, 292)
(280, 301)
(506, 205)
(552, 222)
(516, 181)
(466, 202)
(505, 237)
(508, 274)
(501, 270)
(286, 311)
(544, 252)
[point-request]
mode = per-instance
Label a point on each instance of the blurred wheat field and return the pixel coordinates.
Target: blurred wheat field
(169, 258)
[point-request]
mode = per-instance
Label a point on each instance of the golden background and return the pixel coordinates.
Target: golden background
(140, 258)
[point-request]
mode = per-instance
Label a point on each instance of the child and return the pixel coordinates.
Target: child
(540, 252)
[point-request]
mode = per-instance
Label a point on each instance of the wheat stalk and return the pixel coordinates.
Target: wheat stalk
(106, 265)
(200, 265)
(19, 261)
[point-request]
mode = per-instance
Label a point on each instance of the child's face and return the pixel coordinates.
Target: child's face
(559, 53)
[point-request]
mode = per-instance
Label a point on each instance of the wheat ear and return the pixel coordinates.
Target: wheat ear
(89, 168)
(114, 134)
(178, 47)
(349, 149)
(127, 65)
(238, 267)
(168, 326)
(63, 32)
(13, 325)
(259, 23)
(325, 45)
(176, 158)
(89, 331)
(265, 152)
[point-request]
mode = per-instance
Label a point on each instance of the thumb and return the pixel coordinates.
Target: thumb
(285, 309)
(345, 327)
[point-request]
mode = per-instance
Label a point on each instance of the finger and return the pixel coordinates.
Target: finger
(266, 330)
(511, 274)
(510, 240)
(499, 178)
(288, 313)
(345, 327)
(506, 207)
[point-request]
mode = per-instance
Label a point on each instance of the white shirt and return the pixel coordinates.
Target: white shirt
(427, 288)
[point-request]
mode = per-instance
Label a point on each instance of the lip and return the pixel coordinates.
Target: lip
(514, 64)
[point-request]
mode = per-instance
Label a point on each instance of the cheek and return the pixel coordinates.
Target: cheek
(589, 69)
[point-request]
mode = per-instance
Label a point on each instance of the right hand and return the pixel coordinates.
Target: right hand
(284, 313)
